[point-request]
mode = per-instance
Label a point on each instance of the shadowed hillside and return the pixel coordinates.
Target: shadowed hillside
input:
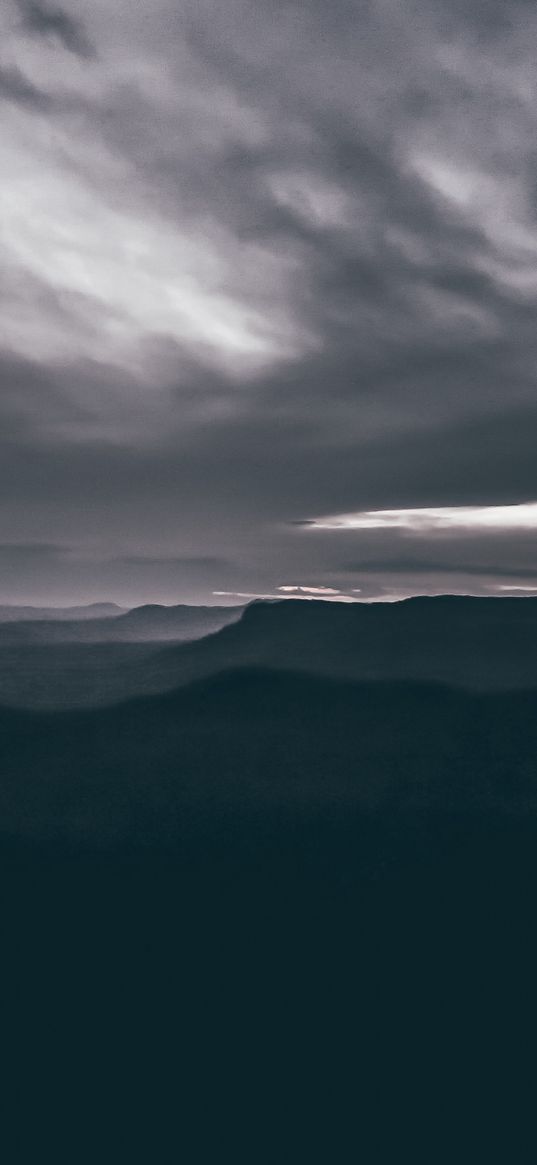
(149, 623)
(488, 643)
(480, 644)
(255, 743)
(326, 880)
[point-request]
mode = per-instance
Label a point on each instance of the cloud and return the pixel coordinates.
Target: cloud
(46, 20)
(262, 265)
(14, 86)
(430, 520)
(29, 549)
(527, 589)
(181, 561)
(328, 598)
(322, 591)
(413, 566)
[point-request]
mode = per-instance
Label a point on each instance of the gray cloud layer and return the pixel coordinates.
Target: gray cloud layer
(44, 20)
(266, 263)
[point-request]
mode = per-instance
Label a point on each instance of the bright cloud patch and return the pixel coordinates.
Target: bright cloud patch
(426, 521)
(92, 264)
(511, 588)
(310, 590)
(327, 595)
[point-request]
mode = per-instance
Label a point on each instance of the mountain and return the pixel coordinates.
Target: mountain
(14, 614)
(149, 623)
(153, 622)
(481, 644)
(485, 644)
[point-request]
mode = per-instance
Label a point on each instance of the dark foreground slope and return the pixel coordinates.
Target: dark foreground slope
(245, 744)
(271, 918)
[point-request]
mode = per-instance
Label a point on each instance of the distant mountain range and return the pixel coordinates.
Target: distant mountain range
(485, 644)
(479, 644)
(15, 614)
(104, 623)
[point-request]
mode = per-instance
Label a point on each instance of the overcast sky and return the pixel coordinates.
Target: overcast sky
(267, 269)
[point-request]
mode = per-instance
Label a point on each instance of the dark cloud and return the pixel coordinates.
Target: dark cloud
(412, 565)
(29, 549)
(484, 19)
(181, 561)
(273, 262)
(14, 86)
(52, 21)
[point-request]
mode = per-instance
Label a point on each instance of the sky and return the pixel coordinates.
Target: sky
(268, 299)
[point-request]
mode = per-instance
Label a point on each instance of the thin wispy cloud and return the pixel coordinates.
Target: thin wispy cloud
(51, 21)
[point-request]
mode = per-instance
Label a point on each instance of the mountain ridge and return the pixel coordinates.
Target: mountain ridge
(149, 622)
(485, 644)
(448, 639)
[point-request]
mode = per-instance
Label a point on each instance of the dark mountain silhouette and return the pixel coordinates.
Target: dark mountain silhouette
(481, 644)
(256, 743)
